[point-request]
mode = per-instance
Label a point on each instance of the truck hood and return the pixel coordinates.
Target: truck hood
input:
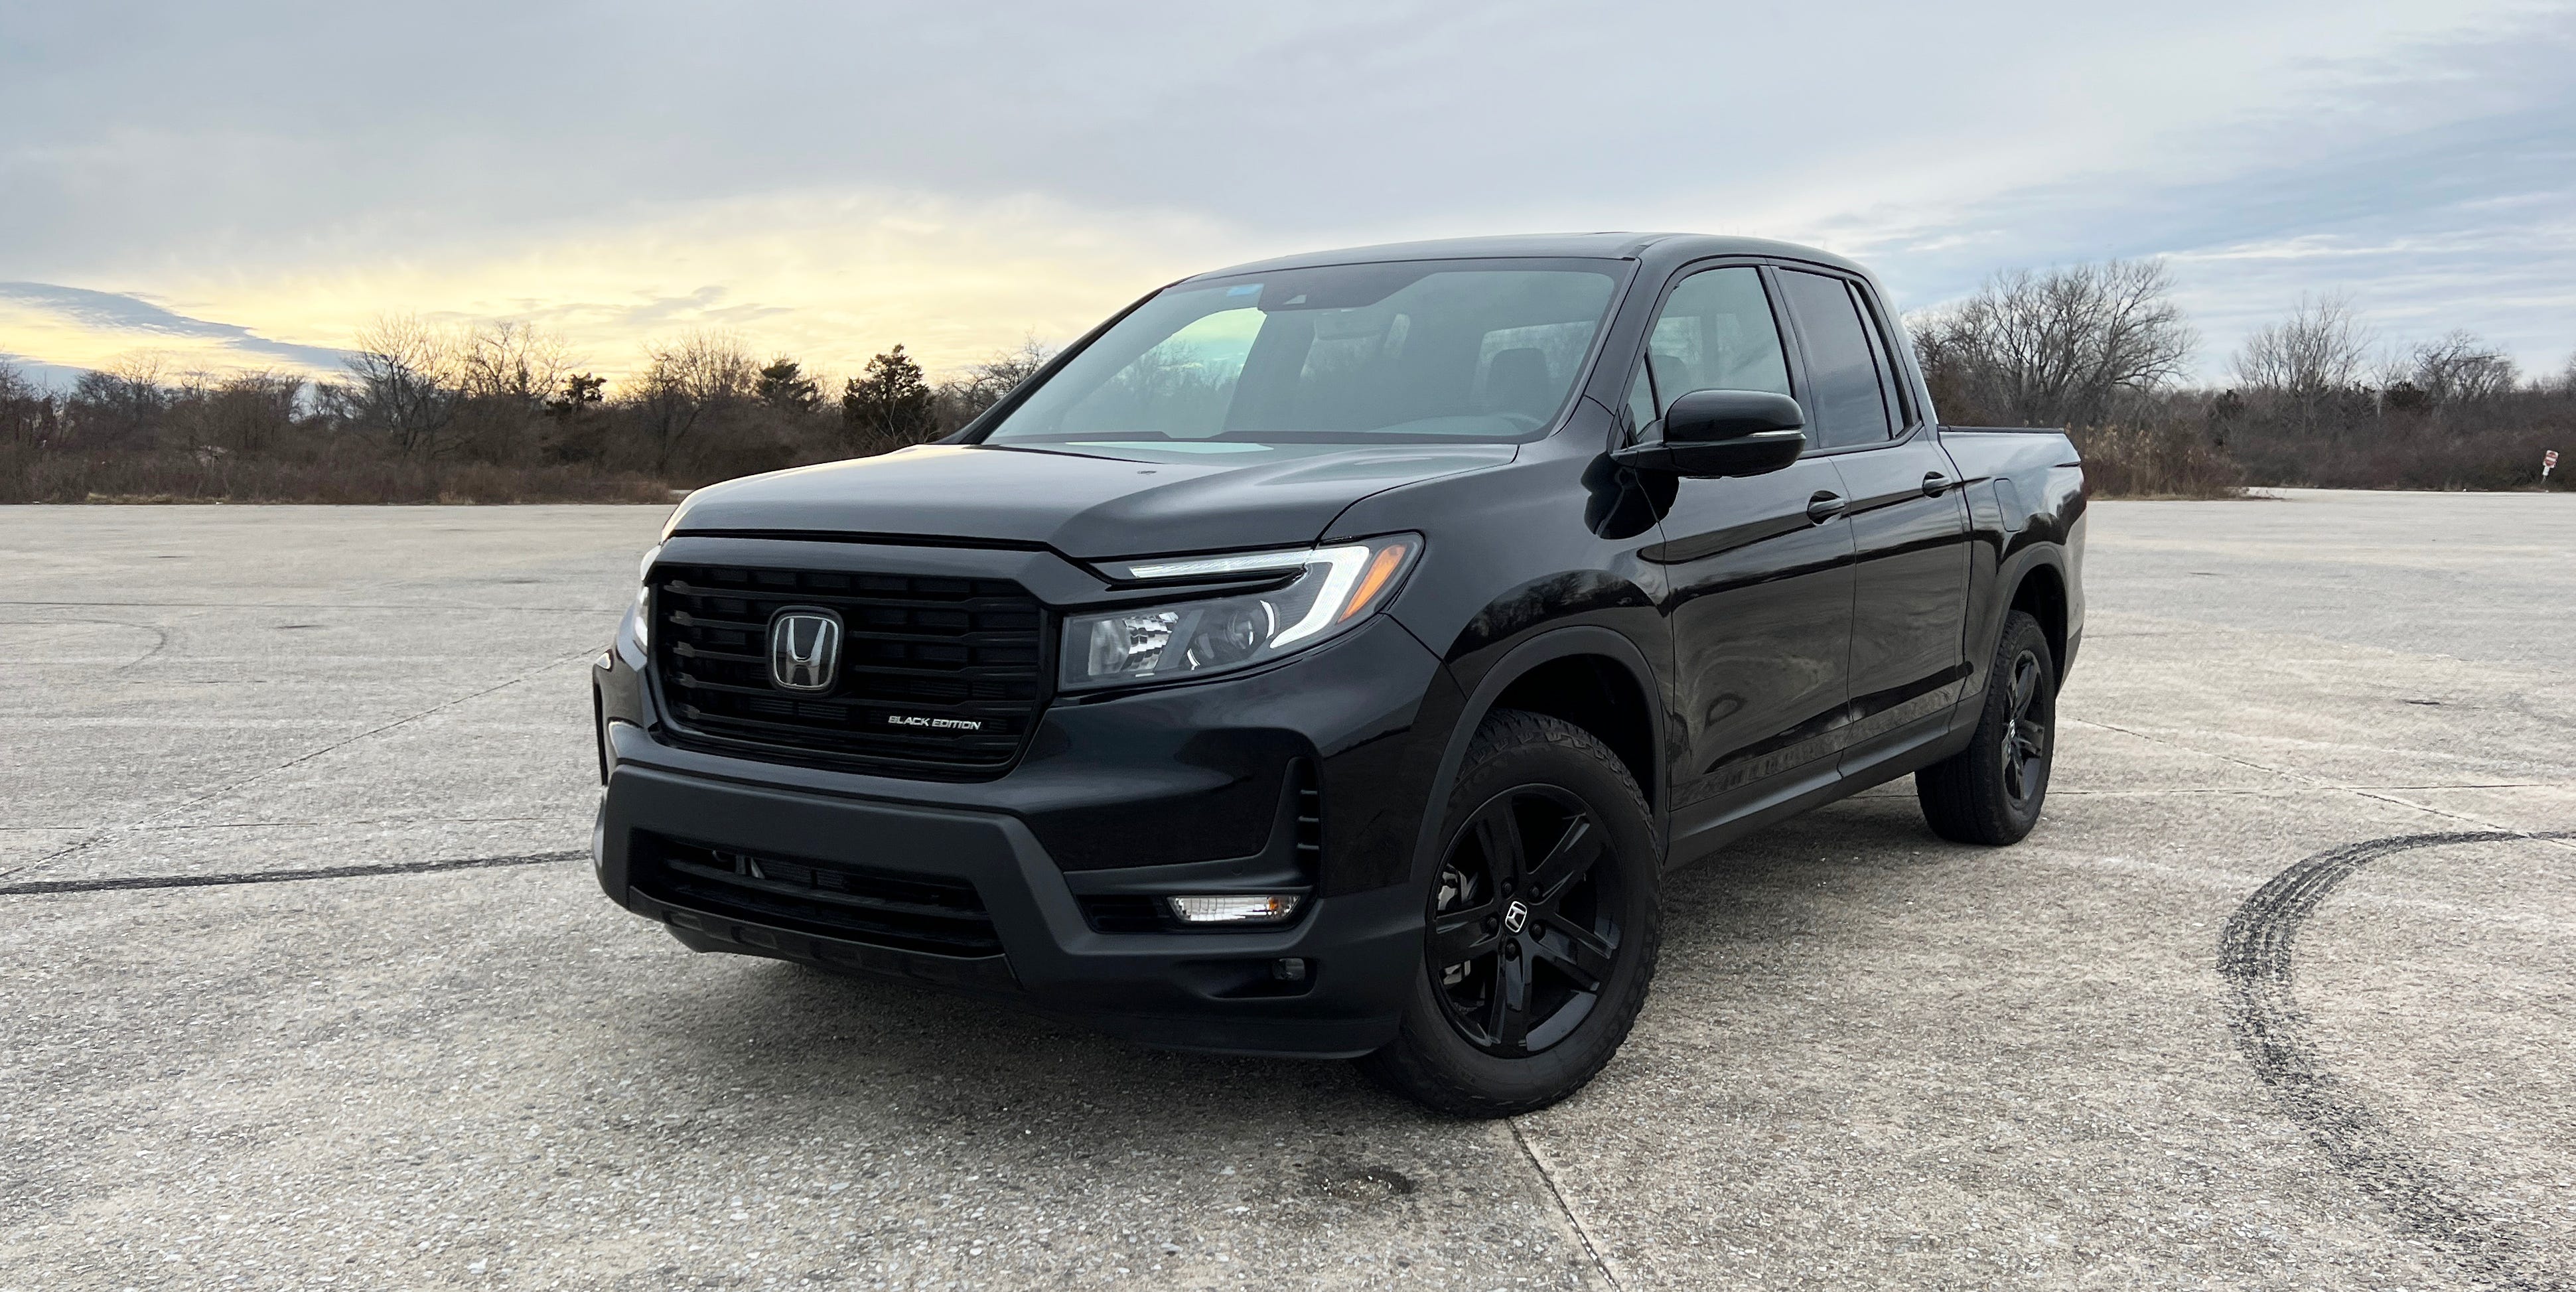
(1087, 501)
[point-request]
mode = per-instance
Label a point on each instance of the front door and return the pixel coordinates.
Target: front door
(1759, 568)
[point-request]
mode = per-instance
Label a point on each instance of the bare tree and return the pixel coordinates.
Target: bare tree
(404, 384)
(2323, 347)
(2460, 369)
(514, 362)
(963, 397)
(248, 413)
(998, 376)
(122, 405)
(26, 409)
(685, 381)
(2056, 348)
(505, 373)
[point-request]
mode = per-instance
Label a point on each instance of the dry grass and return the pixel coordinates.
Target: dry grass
(189, 478)
(2156, 461)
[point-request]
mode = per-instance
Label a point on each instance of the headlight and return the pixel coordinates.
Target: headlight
(1330, 590)
(643, 614)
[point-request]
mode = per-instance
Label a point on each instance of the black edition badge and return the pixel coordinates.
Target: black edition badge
(935, 724)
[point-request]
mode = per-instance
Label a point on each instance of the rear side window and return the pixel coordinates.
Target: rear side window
(1847, 395)
(1715, 333)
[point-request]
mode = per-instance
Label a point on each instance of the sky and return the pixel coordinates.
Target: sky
(245, 185)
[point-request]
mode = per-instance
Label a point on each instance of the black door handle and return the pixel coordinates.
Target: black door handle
(1825, 506)
(1933, 483)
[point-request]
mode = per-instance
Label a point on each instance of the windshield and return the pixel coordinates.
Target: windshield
(1421, 351)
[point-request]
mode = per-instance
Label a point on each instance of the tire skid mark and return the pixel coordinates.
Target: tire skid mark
(40, 887)
(2254, 955)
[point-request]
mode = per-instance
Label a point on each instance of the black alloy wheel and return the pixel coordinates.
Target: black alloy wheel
(1540, 924)
(2028, 731)
(1524, 926)
(1991, 792)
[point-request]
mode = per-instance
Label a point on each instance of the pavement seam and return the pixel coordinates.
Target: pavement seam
(1582, 1232)
(280, 825)
(290, 605)
(2061, 792)
(103, 836)
(43, 886)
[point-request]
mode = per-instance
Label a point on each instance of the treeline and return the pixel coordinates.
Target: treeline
(499, 413)
(2314, 399)
(506, 413)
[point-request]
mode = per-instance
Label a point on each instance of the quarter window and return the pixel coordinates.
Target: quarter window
(1891, 386)
(1846, 397)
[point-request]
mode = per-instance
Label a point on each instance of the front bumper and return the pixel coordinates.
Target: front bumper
(1184, 989)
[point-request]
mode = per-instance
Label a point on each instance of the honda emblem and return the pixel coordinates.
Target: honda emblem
(804, 649)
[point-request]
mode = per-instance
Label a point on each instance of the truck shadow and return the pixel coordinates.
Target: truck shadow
(871, 1045)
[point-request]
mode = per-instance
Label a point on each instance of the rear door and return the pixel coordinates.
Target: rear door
(1909, 518)
(1759, 568)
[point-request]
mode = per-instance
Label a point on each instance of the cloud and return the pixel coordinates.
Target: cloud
(90, 327)
(54, 376)
(2440, 192)
(828, 277)
(830, 180)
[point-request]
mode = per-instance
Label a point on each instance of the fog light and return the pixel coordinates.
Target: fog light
(1236, 908)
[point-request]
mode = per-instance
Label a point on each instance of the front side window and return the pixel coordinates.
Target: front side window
(1846, 397)
(1715, 333)
(1405, 351)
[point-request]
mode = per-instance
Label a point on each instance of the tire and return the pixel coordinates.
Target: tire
(1991, 792)
(1584, 892)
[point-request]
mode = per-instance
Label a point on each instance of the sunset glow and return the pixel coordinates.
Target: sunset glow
(956, 183)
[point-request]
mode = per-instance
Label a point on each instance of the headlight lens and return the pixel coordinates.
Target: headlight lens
(642, 615)
(1330, 591)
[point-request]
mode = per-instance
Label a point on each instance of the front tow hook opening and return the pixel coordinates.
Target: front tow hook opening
(1248, 978)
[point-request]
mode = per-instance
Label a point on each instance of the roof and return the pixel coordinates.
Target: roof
(1673, 247)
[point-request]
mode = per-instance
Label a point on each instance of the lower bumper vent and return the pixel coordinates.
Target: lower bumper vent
(901, 910)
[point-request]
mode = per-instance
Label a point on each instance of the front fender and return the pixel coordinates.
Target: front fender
(1507, 665)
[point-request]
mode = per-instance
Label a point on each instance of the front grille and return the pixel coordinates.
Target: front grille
(939, 677)
(902, 910)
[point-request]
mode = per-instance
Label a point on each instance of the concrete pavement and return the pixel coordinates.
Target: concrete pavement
(1871, 1058)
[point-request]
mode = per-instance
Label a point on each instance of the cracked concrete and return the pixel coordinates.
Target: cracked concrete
(1871, 1059)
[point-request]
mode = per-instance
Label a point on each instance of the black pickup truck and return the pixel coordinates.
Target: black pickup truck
(1325, 656)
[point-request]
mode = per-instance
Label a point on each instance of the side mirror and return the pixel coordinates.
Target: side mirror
(1723, 433)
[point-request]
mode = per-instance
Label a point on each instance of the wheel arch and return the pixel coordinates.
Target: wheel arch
(1585, 674)
(2040, 592)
